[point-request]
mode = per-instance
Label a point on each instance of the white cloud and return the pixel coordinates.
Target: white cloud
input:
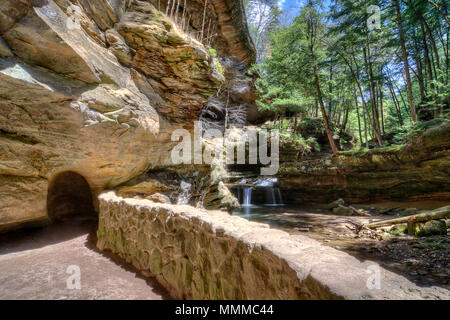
(281, 3)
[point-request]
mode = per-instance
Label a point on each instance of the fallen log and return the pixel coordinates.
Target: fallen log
(357, 211)
(360, 212)
(359, 227)
(441, 213)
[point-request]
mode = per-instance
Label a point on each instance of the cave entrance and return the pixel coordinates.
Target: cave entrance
(69, 195)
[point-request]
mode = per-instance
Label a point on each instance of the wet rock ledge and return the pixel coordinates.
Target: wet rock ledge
(199, 254)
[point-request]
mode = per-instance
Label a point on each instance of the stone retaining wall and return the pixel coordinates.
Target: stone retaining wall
(199, 254)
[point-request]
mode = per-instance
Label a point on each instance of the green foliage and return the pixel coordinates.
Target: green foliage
(411, 130)
(287, 73)
(361, 72)
(212, 52)
(292, 139)
(219, 67)
(262, 17)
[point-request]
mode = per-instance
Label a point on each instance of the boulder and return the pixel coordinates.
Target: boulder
(343, 211)
(433, 227)
(144, 189)
(159, 198)
(180, 68)
(336, 203)
(399, 229)
(219, 196)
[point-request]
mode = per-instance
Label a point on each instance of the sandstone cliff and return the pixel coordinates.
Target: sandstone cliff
(96, 87)
(418, 170)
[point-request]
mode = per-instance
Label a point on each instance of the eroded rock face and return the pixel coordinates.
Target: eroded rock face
(417, 170)
(225, 25)
(197, 254)
(179, 68)
(95, 87)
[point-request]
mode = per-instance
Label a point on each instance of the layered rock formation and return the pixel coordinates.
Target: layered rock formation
(96, 87)
(418, 170)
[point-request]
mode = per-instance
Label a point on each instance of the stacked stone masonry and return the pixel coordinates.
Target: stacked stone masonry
(199, 254)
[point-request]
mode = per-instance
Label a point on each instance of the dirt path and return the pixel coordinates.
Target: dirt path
(33, 265)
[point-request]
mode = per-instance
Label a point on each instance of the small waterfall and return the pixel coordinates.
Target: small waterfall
(185, 193)
(280, 198)
(266, 182)
(270, 196)
(273, 197)
(264, 192)
(247, 197)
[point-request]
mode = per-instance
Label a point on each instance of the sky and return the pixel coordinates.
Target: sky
(291, 7)
(287, 4)
(291, 4)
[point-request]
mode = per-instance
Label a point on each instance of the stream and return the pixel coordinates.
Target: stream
(422, 260)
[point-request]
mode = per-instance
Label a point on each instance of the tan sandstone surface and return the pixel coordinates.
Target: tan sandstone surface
(97, 87)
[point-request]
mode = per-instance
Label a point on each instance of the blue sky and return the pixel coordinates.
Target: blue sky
(291, 4)
(288, 4)
(290, 7)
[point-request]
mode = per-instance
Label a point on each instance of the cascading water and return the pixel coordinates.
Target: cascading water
(280, 198)
(266, 182)
(270, 196)
(185, 193)
(247, 201)
(273, 197)
(265, 190)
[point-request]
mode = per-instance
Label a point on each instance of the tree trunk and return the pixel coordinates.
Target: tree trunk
(344, 124)
(359, 120)
(401, 96)
(365, 128)
(419, 69)
(330, 88)
(167, 7)
(427, 61)
(441, 213)
(396, 105)
(381, 109)
(433, 44)
(376, 122)
(324, 115)
(203, 23)
(405, 62)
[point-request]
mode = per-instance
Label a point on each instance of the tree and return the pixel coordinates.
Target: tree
(373, 83)
(405, 61)
(293, 71)
(262, 17)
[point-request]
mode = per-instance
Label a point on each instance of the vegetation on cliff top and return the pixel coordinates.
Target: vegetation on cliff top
(379, 75)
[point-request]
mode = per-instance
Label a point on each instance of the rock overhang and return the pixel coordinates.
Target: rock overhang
(71, 98)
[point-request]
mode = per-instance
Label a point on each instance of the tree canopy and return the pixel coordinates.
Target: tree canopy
(371, 68)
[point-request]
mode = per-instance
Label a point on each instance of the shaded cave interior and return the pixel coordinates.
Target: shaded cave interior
(69, 195)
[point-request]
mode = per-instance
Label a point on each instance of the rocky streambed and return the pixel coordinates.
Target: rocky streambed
(423, 260)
